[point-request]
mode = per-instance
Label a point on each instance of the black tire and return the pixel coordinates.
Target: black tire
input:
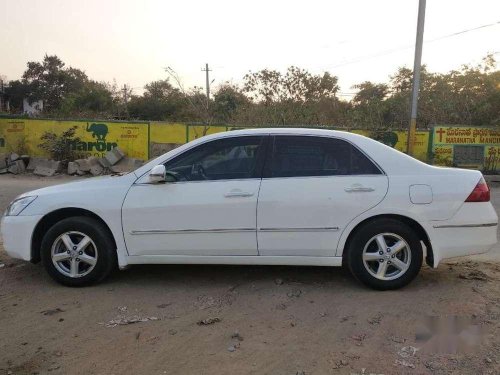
(365, 235)
(105, 251)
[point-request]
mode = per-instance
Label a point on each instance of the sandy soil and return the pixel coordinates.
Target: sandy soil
(268, 320)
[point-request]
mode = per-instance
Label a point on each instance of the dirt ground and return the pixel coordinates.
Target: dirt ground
(264, 320)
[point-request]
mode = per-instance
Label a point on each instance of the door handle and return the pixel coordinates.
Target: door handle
(238, 193)
(356, 188)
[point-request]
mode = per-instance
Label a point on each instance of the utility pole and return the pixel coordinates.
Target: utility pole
(125, 91)
(416, 76)
(207, 83)
(125, 94)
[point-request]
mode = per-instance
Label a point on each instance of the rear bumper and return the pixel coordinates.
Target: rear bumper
(17, 232)
(472, 230)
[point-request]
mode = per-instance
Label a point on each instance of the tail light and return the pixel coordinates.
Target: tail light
(481, 192)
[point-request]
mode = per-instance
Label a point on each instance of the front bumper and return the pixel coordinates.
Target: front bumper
(17, 232)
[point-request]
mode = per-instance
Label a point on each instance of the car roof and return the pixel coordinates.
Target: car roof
(298, 131)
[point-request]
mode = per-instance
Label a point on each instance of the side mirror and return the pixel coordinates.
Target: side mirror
(157, 174)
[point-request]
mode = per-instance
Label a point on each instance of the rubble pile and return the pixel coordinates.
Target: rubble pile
(114, 161)
(13, 163)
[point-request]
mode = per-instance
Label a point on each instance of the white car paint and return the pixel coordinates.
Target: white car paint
(296, 221)
(182, 215)
(288, 207)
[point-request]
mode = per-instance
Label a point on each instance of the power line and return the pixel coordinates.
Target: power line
(462, 32)
(393, 50)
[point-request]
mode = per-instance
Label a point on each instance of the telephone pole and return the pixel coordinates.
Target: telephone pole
(125, 91)
(412, 127)
(125, 94)
(207, 83)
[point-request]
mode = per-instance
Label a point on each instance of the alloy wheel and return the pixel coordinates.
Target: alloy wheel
(387, 256)
(74, 254)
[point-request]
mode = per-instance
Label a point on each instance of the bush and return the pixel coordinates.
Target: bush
(58, 146)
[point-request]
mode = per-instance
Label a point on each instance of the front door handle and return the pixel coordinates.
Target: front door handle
(238, 193)
(357, 188)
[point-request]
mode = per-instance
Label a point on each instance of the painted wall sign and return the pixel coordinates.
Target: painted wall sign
(469, 147)
(96, 137)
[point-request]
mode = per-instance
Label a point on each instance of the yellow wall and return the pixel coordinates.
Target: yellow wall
(399, 140)
(162, 132)
(23, 135)
(134, 138)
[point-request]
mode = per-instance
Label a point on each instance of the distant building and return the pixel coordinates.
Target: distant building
(32, 109)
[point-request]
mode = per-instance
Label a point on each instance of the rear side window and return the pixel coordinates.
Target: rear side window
(299, 156)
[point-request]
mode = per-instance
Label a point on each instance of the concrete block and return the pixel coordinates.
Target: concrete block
(83, 165)
(93, 160)
(96, 170)
(57, 165)
(126, 165)
(79, 172)
(26, 159)
(72, 168)
(104, 162)
(4, 170)
(114, 156)
(17, 167)
(13, 157)
(3, 161)
(158, 149)
(44, 162)
(44, 171)
(35, 162)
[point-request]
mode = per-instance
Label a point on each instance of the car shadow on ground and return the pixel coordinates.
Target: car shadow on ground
(228, 276)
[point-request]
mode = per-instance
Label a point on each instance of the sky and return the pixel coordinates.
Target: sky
(132, 41)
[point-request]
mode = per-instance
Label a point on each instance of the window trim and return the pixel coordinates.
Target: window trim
(261, 158)
(266, 173)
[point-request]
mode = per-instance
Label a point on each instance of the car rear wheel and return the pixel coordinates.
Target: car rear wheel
(385, 254)
(78, 251)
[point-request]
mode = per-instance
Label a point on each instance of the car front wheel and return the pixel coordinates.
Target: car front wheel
(78, 251)
(385, 254)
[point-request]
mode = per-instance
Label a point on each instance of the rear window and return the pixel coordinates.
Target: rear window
(299, 156)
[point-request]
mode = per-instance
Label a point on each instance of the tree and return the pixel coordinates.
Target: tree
(369, 106)
(290, 98)
(160, 101)
(51, 82)
(228, 100)
(16, 92)
(94, 98)
(297, 85)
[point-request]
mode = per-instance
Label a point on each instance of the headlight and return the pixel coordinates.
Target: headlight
(18, 205)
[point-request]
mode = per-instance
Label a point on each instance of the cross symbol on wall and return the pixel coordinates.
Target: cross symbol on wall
(441, 131)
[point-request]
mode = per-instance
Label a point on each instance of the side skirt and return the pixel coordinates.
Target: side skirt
(248, 260)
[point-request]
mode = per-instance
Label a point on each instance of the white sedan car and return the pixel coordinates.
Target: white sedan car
(261, 196)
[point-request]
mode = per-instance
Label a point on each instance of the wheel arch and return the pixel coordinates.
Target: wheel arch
(53, 217)
(412, 223)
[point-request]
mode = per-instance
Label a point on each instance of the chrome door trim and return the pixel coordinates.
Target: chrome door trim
(466, 225)
(191, 231)
(313, 229)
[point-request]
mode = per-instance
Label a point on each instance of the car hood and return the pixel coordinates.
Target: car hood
(93, 183)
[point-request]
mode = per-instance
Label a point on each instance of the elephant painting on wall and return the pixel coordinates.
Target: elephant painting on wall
(387, 137)
(99, 131)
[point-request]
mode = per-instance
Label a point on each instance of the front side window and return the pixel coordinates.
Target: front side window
(223, 159)
(299, 156)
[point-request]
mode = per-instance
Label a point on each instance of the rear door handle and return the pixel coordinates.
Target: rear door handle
(238, 193)
(356, 188)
